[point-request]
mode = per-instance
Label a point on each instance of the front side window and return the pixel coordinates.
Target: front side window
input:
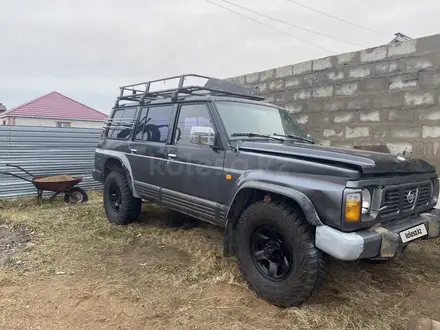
(191, 115)
(241, 118)
(121, 123)
(154, 123)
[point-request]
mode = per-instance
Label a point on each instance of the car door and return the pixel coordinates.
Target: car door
(147, 149)
(193, 171)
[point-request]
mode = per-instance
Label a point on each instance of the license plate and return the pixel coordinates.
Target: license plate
(413, 233)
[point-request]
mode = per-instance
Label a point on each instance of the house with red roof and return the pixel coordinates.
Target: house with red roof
(53, 110)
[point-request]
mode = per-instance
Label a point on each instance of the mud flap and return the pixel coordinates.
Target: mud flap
(228, 241)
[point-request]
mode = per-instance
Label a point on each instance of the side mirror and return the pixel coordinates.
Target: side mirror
(202, 135)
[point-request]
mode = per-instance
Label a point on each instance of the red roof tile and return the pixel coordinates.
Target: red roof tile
(55, 105)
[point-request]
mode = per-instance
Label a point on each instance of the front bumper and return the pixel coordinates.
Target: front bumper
(378, 242)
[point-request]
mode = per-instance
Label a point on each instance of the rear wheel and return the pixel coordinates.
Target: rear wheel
(120, 206)
(277, 254)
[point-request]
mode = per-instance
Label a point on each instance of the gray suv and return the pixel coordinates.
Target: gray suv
(217, 152)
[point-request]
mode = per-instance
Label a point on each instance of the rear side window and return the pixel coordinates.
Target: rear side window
(154, 123)
(121, 123)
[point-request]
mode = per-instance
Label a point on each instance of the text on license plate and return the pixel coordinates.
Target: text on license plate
(413, 233)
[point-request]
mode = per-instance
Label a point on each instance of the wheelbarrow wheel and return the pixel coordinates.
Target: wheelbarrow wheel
(76, 195)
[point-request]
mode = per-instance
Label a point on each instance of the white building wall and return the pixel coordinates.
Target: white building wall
(53, 122)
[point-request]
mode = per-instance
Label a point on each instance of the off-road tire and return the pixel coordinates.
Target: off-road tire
(309, 273)
(322, 270)
(130, 206)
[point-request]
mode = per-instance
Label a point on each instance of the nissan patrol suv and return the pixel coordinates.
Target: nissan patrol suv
(215, 151)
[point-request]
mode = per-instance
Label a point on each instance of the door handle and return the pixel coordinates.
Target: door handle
(133, 151)
(172, 156)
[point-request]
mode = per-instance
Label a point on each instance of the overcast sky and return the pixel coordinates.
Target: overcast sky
(87, 49)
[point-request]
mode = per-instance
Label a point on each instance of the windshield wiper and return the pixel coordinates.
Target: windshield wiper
(250, 134)
(300, 138)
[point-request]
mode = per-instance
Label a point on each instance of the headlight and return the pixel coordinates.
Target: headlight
(366, 201)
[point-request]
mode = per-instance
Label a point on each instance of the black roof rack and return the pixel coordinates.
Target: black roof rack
(142, 92)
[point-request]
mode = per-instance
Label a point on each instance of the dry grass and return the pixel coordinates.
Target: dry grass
(76, 271)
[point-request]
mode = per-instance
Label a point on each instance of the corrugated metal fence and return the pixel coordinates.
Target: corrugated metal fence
(46, 151)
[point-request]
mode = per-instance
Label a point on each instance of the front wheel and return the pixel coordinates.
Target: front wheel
(277, 254)
(120, 206)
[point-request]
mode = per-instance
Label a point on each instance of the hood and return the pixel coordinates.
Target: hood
(368, 162)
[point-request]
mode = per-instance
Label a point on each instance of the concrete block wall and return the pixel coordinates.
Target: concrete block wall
(384, 95)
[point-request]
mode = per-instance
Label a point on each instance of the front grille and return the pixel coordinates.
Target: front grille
(404, 199)
(410, 202)
(391, 201)
(424, 195)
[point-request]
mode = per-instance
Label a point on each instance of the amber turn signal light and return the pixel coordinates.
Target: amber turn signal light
(353, 208)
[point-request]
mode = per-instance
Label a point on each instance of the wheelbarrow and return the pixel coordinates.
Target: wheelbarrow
(57, 184)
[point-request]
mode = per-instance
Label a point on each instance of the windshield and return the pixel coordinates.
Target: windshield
(258, 119)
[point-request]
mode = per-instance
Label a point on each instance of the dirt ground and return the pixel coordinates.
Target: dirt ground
(66, 267)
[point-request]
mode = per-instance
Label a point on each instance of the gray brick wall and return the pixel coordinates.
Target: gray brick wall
(384, 95)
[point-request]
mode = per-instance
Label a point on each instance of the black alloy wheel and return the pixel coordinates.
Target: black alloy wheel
(115, 197)
(271, 253)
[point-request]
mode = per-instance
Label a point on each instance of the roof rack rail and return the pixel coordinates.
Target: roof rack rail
(142, 92)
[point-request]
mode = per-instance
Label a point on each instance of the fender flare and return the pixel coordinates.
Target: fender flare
(119, 155)
(301, 199)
